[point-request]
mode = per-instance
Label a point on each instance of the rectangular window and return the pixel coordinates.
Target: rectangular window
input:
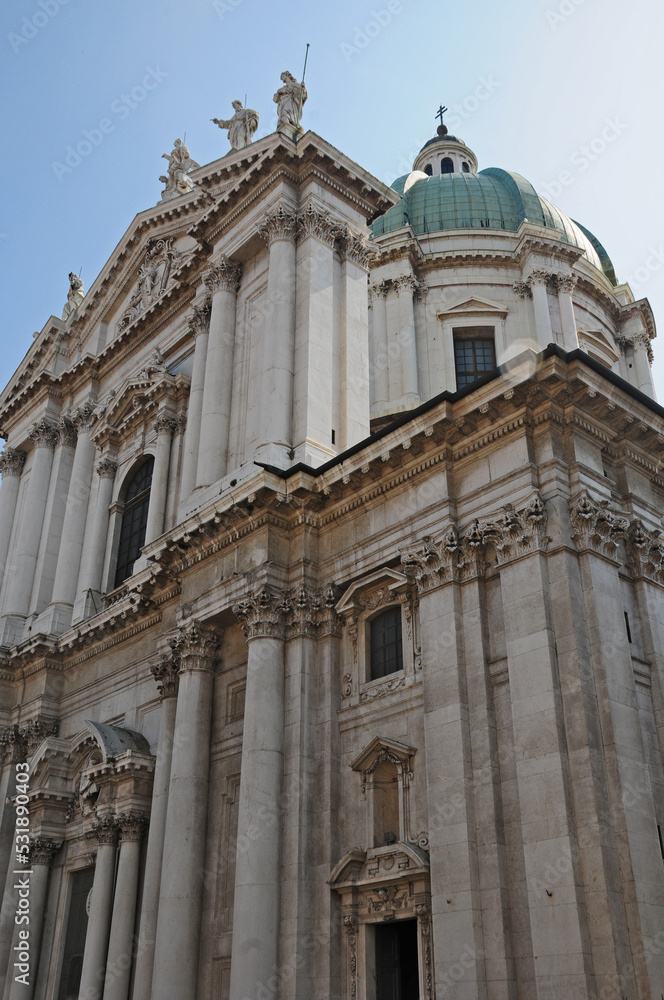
(77, 926)
(474, 354)
(385, 650)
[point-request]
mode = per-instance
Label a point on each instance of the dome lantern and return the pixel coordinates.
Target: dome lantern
(445, 153)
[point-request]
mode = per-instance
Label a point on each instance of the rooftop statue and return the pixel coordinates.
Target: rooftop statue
(75, 295)
(241, 126)
(180, 165)
(290, 100)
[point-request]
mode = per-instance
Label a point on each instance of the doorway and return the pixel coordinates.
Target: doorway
(397, 975)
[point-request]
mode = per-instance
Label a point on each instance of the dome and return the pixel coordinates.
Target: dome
(490, 199)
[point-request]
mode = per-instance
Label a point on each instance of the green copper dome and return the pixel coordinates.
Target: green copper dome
(490, 199)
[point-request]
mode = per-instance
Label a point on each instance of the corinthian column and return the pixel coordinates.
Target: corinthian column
(71, 540)
(11, 467)
(258, 865)
(276, 402)
(166, 675)
(166, 426)
(175, 972)
(406, 288)
(642, 362)
(223, 280)
(101, 904)
(538, 281)
(120, 945)
(379, 358)
(19, 585)
(199, 325)
(565, 283)
(42, 853)
(93, 558)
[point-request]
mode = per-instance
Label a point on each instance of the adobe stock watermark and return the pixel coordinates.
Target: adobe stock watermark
(582, 158)
(563, 12)
(121, 107)
(644, 272)
(32, 25)
(486, 87)
(364, 35)
(223, 7)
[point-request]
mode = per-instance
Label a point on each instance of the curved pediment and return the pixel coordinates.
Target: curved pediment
(379, 864)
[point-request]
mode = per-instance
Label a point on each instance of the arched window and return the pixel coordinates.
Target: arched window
(465, 168)
(385, 647)
(428, 169)
(446, 165)
(134, 520)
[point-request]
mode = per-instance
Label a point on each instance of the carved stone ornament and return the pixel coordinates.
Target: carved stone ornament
(165, 424)
(12, 462)
(285, 615)
(196, 645)
(406, 284)
(166, 672)
(595, 526)
(311, 222)
(522, 289)
(67, 432)
(423, 913)
(225, 273)
(566, 283)
(20, 742)
(645, 552)
(539, 277)
(350, 926)
(84, 417)
(159, 263)
(44, 434)
(180, 165)
(265, 614)
(456, 557)
(106, 468)
(280, 225)
(105, 830)
(199, 320)
(356, 249)
(635, 342)
(132, 826)
(42, 852)
(378, 290)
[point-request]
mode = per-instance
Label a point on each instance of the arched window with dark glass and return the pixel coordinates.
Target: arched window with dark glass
(428, 169)
(446, 165)
(134, 520)
(465, 168)
(385, 649)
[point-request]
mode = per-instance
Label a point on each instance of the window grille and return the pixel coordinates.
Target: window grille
(474, 356)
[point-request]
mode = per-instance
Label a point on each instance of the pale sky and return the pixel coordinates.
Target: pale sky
(566, 92)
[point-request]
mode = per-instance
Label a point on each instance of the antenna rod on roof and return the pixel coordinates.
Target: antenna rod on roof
(299, 112)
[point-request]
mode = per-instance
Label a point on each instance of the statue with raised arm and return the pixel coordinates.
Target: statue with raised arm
(241, 126)
(290, 100)
(75, 295)
(180, 165)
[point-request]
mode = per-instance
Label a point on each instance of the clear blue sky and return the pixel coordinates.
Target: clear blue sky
(536, 82)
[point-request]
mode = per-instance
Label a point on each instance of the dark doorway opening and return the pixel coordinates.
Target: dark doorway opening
(397, 976)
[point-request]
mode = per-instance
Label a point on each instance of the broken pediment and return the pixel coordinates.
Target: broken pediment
(379, 864)
(372, 589)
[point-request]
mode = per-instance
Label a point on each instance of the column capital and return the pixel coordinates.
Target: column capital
(42, 852)
(22, 741)
(11, 462)
(265, 614)
(165, 672)
(279, 225)
(132, 826)
(406, 283)
(566, 282)
(313, 614)
(311, 222)
(356, 249)
(225, 273)
(44, 434)
(106, 468)
(538, 277)
(165, 424)
(67, 432)
(378, 290)
(199, 320)
(196, 645)
(84, 417)
(105, 830)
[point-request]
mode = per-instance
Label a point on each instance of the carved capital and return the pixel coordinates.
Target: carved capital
(105, 830)
(378, 290)
(225, 273)
(165, 424)
(67, 432)
(539, 277)
(166, 673)
(12, 462)
(44, 434)
(84, 417)
(522, 289)
(196, 646)
(311, 222)
(132, 826)
(106, 468)
(199, 320)
(595, 526)
(406, 284)
(265, 614)
(356, 249)
(280, 225)
(313, 614)
(645, 552)
(20, 742)
(42, 852)
(566, 283)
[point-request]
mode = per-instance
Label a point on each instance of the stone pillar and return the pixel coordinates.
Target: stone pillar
(121, 942)
(166, 675)
(642, 361)
(11, 467)
(254, 955)
(406, 288)
(380, 358)
(174, 469)
(354, 381)
(199, 325)
(276, 403)
(93, 559)
(565, 283)
(71, 539)
(42, 853)
(223, 280)
(175, 972)
(165, 425)
(538, 281)
(101, 906)
(19, 584)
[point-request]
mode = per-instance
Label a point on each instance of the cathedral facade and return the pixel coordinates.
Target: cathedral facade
(332, 617)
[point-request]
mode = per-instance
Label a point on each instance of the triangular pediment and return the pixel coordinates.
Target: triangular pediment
(474, 306)
(381, 748)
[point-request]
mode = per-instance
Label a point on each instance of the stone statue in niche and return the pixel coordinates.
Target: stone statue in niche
(241, 126)
(290, 100)
(75, 295)
(180, 165)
